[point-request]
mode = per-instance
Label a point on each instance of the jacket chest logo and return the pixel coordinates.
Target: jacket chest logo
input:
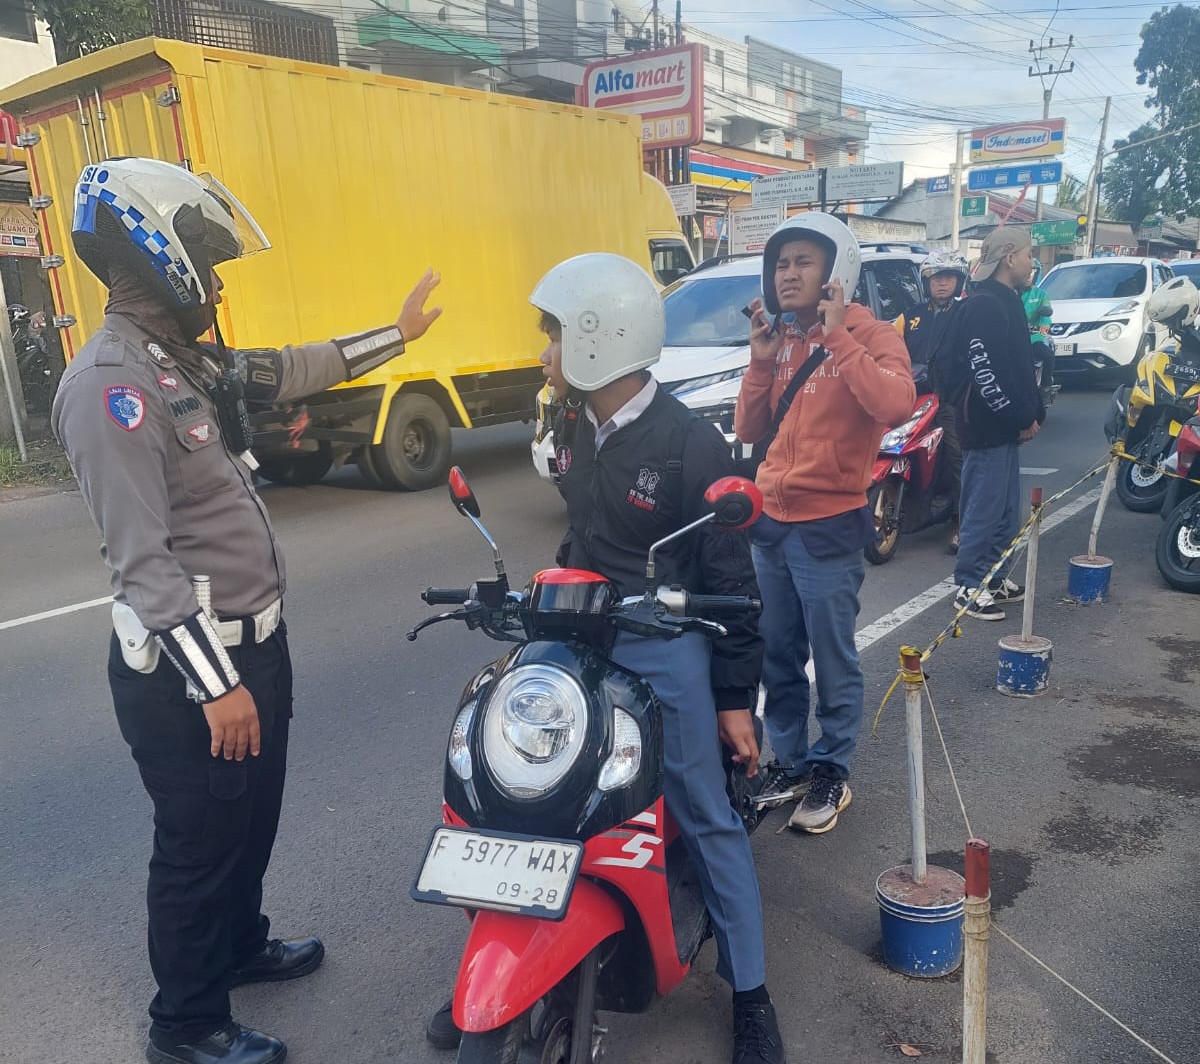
(200, 433)
(642, 494)
(167, 381)
(185, 405)
(562, 460)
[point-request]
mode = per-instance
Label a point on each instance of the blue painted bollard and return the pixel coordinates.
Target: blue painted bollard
(1089, 579)
(921, 923)
(1024, 669)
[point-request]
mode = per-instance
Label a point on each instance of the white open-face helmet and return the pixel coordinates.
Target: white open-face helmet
(835, 237)
(165, 223)
(611, 317)
(1175, 304)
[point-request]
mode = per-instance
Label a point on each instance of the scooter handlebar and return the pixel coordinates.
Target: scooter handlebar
(724, 605)
(446, 596)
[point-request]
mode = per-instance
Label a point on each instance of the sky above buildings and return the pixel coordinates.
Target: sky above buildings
(922, 69)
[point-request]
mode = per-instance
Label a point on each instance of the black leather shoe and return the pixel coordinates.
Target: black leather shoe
(279, 960)
(232, 1044)
(440, 1031)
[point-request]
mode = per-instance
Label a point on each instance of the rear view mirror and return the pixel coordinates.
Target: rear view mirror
(461, 494)
(736, 502)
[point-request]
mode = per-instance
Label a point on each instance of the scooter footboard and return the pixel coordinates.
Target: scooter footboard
(510, 962)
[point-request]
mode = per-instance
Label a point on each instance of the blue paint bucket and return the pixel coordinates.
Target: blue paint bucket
(1024, 668)
(1088, 579)
(921, 923)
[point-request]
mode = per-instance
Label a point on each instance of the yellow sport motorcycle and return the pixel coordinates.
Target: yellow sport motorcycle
(1145, 419)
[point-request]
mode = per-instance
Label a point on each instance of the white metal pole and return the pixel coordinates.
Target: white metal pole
(977, 921)
(913, 682)
(1031, 562)
(956, 188)
(1110, 480)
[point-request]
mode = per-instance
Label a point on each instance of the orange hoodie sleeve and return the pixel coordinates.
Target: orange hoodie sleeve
(873, 360)
(752, 417)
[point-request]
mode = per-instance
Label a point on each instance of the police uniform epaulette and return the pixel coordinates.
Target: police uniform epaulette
(112, 350)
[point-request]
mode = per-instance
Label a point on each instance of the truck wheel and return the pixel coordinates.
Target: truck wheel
(369, 468)
(300, 470)
(415, 452)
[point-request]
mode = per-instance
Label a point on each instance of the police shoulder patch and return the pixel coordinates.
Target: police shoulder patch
(158, 354)
(125, 405)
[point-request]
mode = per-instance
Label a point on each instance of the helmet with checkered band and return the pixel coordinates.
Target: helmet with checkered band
(166, 225)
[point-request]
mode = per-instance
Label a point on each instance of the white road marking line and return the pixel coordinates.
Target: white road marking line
(1036, 471)
(904, 613)
(46, 615)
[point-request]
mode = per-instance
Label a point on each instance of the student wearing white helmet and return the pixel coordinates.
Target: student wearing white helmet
(633, 466)
(818, 395)
(927, 332)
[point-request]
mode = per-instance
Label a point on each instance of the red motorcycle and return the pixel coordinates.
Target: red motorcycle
(906, 493)
(555, 836)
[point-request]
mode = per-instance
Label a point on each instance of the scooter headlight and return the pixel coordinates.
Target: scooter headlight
(534, 729)
(626, 757)
(896, 439)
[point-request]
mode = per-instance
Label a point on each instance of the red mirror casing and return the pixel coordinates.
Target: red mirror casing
(736, 501)
(461, 494)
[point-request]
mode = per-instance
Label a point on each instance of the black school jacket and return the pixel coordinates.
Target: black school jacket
(647, 481)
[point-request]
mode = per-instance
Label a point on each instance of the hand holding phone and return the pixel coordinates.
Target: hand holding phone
(832, 309)
(765, 339)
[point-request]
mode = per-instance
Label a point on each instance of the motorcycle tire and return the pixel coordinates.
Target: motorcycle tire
(883, 550)
(501, 1046)
(1141, 493)
(1178, 548)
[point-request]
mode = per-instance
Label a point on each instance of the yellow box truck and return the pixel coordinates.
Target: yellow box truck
(361, 182)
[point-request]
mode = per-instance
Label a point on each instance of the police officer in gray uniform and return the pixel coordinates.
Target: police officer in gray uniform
(154, 425)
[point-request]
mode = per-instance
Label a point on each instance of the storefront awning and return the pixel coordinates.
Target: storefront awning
(387, 27)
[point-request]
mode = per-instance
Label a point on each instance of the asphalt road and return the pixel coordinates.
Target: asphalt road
(1088, 795)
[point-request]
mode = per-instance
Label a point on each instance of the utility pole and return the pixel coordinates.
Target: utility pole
(1093, 199)
(655, 41)
(956, 187)
(1043, 53)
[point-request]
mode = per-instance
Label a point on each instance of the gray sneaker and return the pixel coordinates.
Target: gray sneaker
(780, 788)
(818, 812)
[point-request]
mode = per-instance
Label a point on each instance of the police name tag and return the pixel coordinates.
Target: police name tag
(496, 870)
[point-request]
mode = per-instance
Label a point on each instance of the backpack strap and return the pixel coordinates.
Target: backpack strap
(785, 401)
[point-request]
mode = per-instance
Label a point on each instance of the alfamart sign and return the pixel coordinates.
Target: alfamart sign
(666, 88)
(1019, 140)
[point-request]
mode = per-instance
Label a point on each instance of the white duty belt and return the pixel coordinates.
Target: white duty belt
(263, 624)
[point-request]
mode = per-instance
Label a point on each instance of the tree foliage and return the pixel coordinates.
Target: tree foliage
(1072, 194)
(82, 26)
(1165, 175)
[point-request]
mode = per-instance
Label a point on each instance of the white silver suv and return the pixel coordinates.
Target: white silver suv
(1100, 329)
(707, 346)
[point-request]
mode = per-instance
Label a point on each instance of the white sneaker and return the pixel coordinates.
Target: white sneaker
(979, 603)
(1006, 590)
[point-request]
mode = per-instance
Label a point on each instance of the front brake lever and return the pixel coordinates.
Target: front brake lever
(457, 615)
(696, 624)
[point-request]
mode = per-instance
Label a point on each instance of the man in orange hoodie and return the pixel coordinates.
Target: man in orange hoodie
(821, 439)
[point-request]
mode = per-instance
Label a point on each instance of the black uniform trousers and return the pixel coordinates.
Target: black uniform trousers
(214, 827)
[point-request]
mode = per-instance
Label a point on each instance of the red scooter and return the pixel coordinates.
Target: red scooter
(906, 493)
(555, 836)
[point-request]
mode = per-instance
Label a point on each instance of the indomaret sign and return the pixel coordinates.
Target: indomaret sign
(666, 88)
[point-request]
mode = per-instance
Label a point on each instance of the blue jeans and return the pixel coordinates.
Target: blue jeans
(989, 510)
(694, 786)
(810, 607)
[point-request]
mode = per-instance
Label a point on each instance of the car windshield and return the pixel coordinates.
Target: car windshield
(1096, 280)
(707, 311)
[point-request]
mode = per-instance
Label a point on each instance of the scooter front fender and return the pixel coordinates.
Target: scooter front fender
(510, 962)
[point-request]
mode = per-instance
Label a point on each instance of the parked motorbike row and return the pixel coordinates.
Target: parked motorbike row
(1156, 423)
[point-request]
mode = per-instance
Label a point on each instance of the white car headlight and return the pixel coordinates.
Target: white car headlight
(533, 729)
(458, 753)
(626, 757)
(1110, 332)
(1123, 308)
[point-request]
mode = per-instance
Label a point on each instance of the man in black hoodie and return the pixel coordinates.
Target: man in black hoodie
(1000, 409)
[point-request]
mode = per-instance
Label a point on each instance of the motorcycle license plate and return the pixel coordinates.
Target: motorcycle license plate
(1064, 350)
(495, 870)
(1183, 373)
